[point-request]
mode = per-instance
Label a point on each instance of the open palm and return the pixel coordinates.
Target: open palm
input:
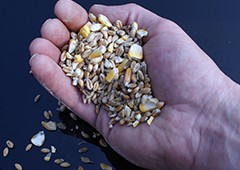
(181, 75)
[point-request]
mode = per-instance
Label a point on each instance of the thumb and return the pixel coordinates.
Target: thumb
(128, 14)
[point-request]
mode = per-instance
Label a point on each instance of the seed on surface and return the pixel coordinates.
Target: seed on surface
(86, 160)
(28, 147)
(80, 168)
(18, 166)
(48, 156)
(53, 149)
(61, 126)
(83, 149)
(58, 161)
(5, 152)
(51, 126)
(62, 108)
(85, 135)
(38, 139)
(73, 116)
(45, 150)
(105, 166)
(37, 98)
(103, 143)
(9, 144)
(65, 164)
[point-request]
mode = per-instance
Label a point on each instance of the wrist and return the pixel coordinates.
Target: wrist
(219, 147)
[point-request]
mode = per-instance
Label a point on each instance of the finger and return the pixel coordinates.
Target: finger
(56, 32)
(128, 14)
(71, 14)
(50, 75)
(45, 47)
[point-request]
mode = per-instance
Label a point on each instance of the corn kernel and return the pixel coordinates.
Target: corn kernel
(147, 107)
(141, 33)
(78, 58)
(96, 27)
(149, 121)
(104, 20)
(96, 53)
(110, 48)
(110, 76)
(85, 30)
(125, 37)
(135, 51)
(122, 65)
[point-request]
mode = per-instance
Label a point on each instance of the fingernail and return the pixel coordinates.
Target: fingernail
(47, 21)
(33, 56)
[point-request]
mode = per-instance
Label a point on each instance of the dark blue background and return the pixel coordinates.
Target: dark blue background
(214, 25)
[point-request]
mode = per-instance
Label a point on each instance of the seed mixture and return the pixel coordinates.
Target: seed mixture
(105, 61)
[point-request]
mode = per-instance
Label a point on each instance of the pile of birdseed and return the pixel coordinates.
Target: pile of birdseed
(105, 61)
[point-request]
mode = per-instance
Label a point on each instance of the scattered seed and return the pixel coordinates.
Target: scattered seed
(5, 152)
(18, 166)
(51, 126)
(80, 168)
(65, 164)
(73, 116)
(85, 135)
(58, 161)
(103, 143)
(37, 98)
(38, 139)
(86, 160)
(45, 150)
(61, 126)
(53, 149)
(105, 166)
(62, 108)
(83, 150)
(9, 144)
(28, 147)
(48, 156)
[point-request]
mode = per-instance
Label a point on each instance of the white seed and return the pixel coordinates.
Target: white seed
(5, 152)
(9, 144)
(65, 164)
(18, 166)
(45, 150)
(28, 147)
(96, 27)
(53, 149)
(37, 98)
(86, 160)
(58, 161)
(38, 139)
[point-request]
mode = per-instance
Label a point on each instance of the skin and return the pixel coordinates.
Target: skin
(198, 127)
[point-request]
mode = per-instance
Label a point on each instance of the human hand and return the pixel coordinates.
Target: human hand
(181, 74)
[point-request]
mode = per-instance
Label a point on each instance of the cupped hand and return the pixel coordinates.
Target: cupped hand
(181, 74)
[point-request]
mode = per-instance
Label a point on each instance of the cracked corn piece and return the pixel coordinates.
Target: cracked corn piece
(136, 52)
(85, 30)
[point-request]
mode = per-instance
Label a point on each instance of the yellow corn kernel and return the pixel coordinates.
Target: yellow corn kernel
(78, 58)
(147, 106)
(125, 37)
(85, 30)
(98, 52)
(141, 33)
(110, 48)
(122, 65)
(110, 76)
(149, 121)
(135, 51)
(104, 20)
(128, 75)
